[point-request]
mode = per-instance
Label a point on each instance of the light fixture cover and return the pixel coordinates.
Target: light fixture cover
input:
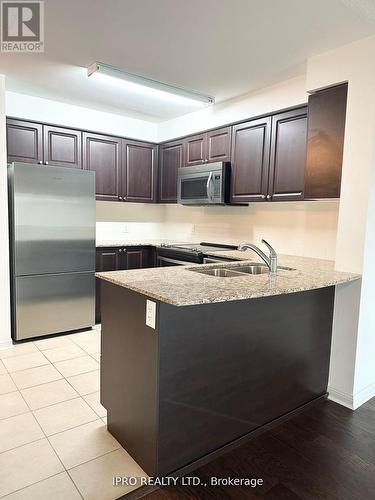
(148, 82)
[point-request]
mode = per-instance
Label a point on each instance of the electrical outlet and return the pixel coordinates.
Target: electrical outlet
(151, 313)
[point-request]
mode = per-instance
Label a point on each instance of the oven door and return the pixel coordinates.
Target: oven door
(200, 185)
(167, 262)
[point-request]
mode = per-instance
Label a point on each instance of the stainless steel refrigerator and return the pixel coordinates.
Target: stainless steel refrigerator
(52, 248)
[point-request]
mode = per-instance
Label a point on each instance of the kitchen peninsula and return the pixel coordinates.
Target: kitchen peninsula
(193, 364)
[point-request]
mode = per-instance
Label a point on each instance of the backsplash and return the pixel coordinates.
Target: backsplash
(128, 231)
(297, 228)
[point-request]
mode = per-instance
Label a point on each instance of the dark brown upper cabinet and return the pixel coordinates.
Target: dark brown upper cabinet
(171, 158)
(62, 147)
(219, 144)
(102, 154)
(139, 171)
(211, 146)
(24, 141)
(288, 155)
(195, 150)
(250, 160)
(325, 142)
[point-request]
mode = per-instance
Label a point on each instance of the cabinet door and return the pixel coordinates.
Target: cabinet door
(171, 159)
(250, 160)
(195, 149)
(219, 144)
(139, 166)
(62, 147)
(135, 258)
(288, 155)
(325, 142)
(107, 259)
(24, 141)
(102, 155)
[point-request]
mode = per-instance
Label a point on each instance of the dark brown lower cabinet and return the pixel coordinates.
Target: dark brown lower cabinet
(120, 259)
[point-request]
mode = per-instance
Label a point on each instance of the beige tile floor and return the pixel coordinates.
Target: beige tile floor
(54, 441)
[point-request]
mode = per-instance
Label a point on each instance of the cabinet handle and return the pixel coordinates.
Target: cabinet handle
(120, 250)
(263, 196)
(46, 162)
(268, 196)
(40, 162)
(120, 197)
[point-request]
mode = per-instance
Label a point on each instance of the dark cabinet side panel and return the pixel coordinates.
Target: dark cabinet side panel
(140, 162)
(130, 357)
(62, 147)
(219, 144)
(288, 155)
(107, 259)
(250, 160)
(325, 142)
(102, 155)
(171, 159)
(24, 141)
(236, 366)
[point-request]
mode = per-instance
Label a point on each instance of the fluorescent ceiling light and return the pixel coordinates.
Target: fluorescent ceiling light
(146, 85)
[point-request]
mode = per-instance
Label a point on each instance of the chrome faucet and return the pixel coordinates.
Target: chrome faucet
(271, 261)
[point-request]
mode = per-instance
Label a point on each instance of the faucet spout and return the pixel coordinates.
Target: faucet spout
(271, 261)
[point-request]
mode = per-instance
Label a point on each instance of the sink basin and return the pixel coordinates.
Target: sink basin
(224, 272)
(253, 269)
(219, 272)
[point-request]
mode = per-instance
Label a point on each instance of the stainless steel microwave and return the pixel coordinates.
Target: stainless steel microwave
(206, 184)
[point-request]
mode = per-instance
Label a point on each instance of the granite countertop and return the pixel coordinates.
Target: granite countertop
(134, 243)
(181, 287)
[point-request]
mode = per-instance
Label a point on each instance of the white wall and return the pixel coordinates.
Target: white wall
(282, 95)
(60, 113)
(352, 374)
(5, 339)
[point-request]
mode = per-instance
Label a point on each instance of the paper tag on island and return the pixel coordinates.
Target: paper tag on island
(151, 313)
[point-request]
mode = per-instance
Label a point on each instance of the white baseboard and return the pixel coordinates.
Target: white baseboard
(352, 401)
(5, 344)
(341, 398)
(363, 396)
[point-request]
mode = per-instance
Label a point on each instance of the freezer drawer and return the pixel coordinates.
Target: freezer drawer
(53, 303)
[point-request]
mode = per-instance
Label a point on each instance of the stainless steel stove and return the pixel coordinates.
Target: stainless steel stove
(187, 253)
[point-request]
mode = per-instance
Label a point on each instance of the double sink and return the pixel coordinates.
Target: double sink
(238, 271)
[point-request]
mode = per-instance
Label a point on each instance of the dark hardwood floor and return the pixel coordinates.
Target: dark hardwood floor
(327, 452)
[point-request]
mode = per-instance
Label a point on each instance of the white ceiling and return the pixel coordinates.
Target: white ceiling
(224, 48)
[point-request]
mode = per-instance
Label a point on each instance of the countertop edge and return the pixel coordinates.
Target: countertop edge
(247, 296)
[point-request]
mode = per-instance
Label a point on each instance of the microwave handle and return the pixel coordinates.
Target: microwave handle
(208, 187)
